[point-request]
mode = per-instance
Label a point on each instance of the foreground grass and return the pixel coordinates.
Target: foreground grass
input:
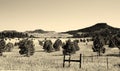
(42, 61)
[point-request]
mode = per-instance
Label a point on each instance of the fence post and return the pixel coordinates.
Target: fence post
(69, 59)
(119, 51)
(80, 60)
(64, 61)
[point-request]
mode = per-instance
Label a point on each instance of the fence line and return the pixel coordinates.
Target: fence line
(91, 59)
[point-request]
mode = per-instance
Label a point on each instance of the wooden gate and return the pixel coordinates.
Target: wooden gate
(69, 60)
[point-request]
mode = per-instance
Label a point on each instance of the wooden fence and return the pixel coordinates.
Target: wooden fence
(69, 60)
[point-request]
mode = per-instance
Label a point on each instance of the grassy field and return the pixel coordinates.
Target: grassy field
(42, 61)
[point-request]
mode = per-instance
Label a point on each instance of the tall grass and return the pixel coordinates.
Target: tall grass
(42, 61)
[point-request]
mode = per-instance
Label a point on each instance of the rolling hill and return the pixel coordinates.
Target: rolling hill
(37, 31)
(42, 33)
(97, 28)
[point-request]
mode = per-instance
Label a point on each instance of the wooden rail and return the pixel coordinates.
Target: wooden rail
(69, 60)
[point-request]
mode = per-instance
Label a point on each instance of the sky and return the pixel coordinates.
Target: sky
(57, 15)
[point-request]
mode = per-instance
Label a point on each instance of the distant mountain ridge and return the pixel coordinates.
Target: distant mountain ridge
(39, 31)
(99, 28)
(95, 28)
(42, 33)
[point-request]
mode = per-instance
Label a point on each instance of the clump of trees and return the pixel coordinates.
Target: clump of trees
(13, 34)
(9, 47)
(98, 45)
(2, 46)
(70, 47)
(57, 45)
(26, 47)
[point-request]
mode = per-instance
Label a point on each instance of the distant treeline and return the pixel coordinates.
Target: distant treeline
(13, 34)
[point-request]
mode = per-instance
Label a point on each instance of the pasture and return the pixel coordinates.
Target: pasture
(42, 61)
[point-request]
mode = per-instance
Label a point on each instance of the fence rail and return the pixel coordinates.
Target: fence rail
(69, 60)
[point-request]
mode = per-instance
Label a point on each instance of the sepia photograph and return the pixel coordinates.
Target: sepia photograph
(59, 35)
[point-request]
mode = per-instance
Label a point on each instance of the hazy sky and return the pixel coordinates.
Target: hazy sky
(57, 15)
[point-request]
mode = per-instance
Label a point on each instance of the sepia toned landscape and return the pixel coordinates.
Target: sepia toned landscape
(59, 35)
(53, 61)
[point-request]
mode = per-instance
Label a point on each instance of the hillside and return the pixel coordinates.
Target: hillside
(42, 33)
(37, 31)
(94, 29)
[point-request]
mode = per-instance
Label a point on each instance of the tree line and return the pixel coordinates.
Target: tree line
(13, 34)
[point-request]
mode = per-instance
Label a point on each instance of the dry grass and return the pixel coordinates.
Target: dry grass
(42, 61)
